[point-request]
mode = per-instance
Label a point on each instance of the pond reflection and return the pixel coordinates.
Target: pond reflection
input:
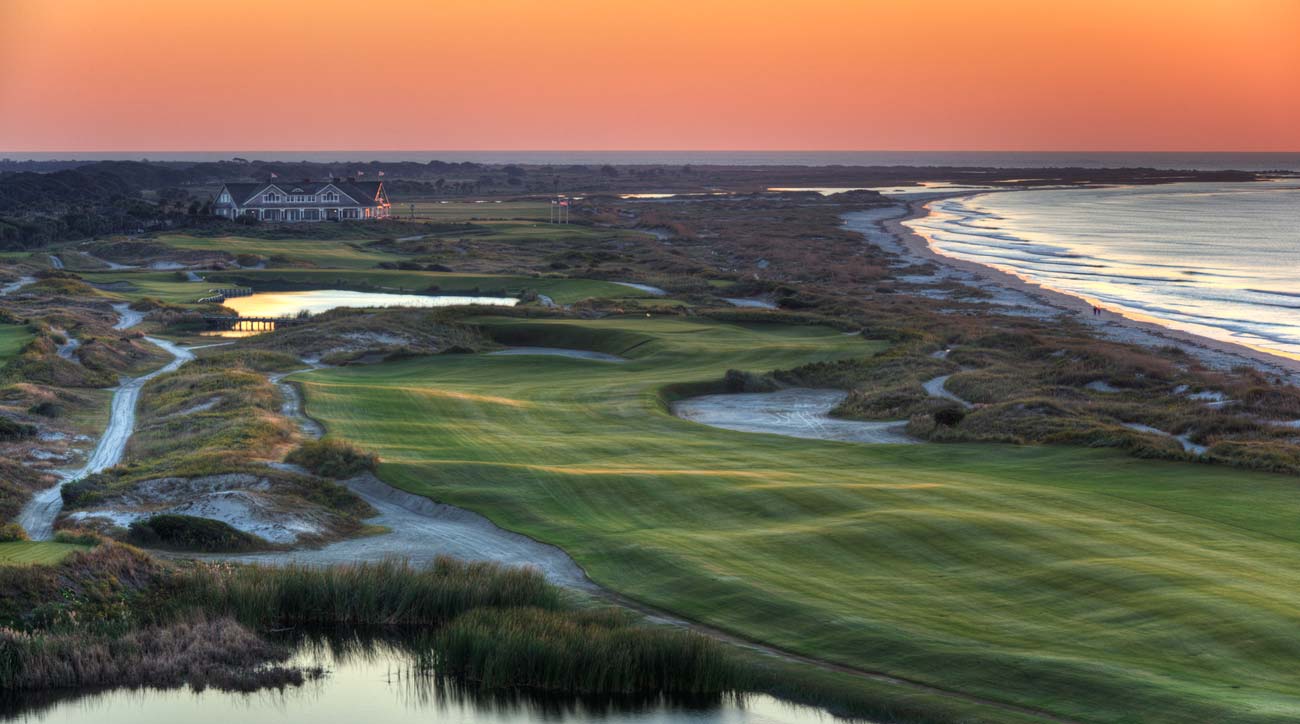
(269, 305)
(370, 678)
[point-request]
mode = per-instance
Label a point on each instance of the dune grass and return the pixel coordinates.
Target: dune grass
(29, 553)
(1085, 582)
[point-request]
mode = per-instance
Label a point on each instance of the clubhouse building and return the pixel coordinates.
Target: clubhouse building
(304, 201)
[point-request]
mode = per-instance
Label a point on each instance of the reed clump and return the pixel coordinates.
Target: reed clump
(200, 652)
(583, 652)
(372, 593)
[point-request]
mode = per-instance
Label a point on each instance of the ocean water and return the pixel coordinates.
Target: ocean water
(1220, 260)
(997, 159)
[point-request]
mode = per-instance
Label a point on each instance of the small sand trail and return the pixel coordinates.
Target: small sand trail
(38, 516)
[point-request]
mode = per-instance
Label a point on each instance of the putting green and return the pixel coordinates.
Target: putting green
(13, 337)
(329, 253)
(29, 553)
(1086, 582)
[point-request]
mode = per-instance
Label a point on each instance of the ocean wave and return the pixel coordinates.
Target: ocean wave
(1182, 253)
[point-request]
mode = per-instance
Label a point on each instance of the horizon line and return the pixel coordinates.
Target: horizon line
(637, 150)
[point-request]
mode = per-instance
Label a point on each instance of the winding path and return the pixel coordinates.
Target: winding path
(936, 388)
(38, 516)
(12, 287)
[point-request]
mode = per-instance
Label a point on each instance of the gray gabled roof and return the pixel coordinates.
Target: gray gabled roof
(364, 193)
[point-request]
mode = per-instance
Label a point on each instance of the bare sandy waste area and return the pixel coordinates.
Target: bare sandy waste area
(420, 530)
(796, 412)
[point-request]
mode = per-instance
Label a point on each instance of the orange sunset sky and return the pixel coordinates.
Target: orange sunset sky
(1122, 75)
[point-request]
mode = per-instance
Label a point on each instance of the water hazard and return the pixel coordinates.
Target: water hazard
(292, 304)
(368, 680)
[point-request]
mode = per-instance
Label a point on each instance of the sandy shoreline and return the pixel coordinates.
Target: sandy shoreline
(1113, 325)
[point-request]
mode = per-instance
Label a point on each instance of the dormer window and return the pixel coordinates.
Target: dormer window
(329, 197)
(271, 198)
(225, 197)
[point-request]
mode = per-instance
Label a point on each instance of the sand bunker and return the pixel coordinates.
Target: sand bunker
(654, 291)
(750, 302)
(797, 412)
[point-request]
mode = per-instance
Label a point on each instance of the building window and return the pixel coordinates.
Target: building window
(329, 197)
(311, 214)
(225, 198)
(271, 198)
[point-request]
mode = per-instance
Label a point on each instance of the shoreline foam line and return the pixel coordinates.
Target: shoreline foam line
(1144, 331)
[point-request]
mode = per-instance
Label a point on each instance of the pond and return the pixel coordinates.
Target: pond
(290, 304)
(377, 682)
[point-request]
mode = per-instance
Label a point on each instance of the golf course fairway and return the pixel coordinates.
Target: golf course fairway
(1088, 583)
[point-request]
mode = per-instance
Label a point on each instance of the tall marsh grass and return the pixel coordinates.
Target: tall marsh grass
(365, 593)
(582, 652)
(200, 652)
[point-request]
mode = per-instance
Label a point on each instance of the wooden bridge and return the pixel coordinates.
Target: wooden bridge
(233, 322)
(217, 296)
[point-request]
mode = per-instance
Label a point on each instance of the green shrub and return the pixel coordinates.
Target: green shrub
(189, 533)
(332, 458)
(13, 430)
(741, 381)
(949, 416)
(47, 408)
(12, 532)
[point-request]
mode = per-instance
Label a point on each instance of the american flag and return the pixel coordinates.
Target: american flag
(275, 175)
(381, 173)
(564, 203)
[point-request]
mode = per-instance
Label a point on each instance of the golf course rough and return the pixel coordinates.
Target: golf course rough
(1089, 583)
